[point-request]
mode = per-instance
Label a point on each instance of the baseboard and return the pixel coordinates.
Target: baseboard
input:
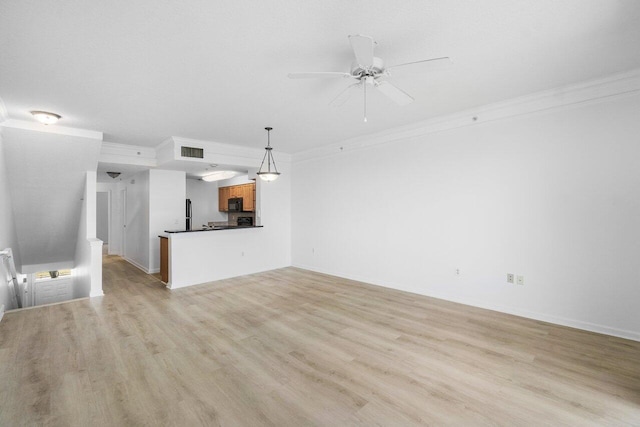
(94, 294)
(543, 317)
(1, 312)
(135, 264)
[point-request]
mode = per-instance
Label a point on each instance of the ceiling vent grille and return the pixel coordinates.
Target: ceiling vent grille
(196, 153)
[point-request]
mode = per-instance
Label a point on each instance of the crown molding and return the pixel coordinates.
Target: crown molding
(581, 94)
(59, 130)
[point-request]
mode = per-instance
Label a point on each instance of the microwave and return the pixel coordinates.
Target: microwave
(235, 204)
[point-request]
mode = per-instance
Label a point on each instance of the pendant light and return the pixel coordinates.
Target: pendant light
(268, 175)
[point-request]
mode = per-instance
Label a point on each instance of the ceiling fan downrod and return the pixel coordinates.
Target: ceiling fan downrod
(365, 101)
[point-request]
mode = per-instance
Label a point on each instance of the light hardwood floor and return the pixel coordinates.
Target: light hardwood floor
(291, 347)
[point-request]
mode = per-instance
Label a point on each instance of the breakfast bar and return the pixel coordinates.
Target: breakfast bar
(192, 257)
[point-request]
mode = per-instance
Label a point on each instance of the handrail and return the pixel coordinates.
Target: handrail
(14, 287)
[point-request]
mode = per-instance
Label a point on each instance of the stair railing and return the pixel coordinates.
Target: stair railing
(12, 279)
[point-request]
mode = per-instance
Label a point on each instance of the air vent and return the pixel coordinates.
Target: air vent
(196, 153)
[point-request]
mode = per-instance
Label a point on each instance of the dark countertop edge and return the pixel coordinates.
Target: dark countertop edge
(226, 227)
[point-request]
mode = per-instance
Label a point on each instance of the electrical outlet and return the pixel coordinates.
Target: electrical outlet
(457, 271)
(509, 278)
(520, 280)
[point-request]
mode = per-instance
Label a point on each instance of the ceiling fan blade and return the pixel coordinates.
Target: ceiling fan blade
(396, 95)
(363, 49)
(423, 66)
(344, 95)
(318, 75)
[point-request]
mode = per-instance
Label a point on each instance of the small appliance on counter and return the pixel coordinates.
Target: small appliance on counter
(245, 221)
(235, 204)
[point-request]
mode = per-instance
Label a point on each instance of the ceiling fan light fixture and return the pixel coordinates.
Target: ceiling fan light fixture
(45, 117)
(369, 70)
(268, 174)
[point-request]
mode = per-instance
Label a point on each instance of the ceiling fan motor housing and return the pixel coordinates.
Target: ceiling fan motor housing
(376, 70)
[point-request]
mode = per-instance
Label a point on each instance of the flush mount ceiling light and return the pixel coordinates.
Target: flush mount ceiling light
(219, 175)
(45, 117)
(268, 175)
(113, 175)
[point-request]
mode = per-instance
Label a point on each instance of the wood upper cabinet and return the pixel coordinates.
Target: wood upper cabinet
(246, 191)
(223, 199)
(248, 197)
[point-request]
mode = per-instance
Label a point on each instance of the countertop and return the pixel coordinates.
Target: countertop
(216, 228)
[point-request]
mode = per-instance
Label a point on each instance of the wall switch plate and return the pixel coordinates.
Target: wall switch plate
(509, 278)
(520, 280)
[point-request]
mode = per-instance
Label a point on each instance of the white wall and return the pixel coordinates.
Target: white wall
(167, 195)
(204, 199)
(102, 213)
(7, 229)
(88, 255)
(553, 196)
(46, 174)
(137, 220)
(236, 180)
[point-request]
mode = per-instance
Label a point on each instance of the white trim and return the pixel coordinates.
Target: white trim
(543, 317)
(3, 114)
(135, 264)
(1, 312)
(61, 130)
(94, 294)
(592, 91)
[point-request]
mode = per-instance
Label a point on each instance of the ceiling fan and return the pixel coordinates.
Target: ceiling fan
(369, 70)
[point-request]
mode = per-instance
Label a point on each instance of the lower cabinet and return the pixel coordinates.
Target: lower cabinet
(164, 259)
(55, 290)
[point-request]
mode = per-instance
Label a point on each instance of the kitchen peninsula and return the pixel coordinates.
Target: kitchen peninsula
(191, 257)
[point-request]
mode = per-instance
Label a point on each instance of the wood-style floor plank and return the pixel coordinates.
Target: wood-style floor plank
(295, 348)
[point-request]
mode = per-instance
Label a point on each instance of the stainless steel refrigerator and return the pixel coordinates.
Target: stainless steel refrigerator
(189, 214)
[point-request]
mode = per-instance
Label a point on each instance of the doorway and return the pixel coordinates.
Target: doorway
(103, 219)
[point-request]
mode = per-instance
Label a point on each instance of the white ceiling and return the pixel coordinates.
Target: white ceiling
(146, 70)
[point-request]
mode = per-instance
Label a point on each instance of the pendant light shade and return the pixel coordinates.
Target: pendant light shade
(268, 174)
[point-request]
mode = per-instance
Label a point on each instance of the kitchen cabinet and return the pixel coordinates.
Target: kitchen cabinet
(248, 197)
(223, 199)
(164, 259)
(246, 191)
